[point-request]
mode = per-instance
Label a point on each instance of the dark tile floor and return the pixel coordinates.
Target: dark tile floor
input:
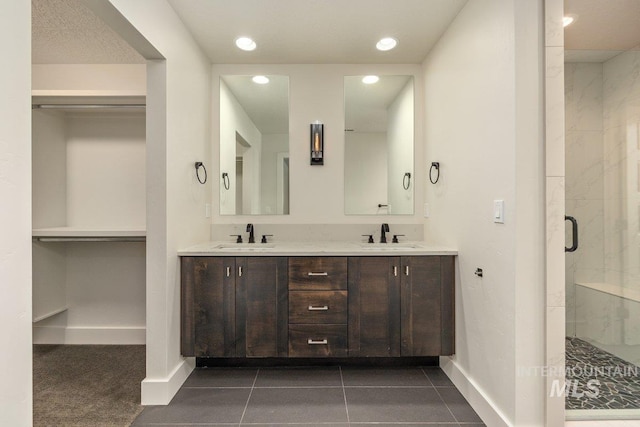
(314, 396)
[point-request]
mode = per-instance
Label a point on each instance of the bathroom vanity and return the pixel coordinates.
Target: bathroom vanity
(330, 299)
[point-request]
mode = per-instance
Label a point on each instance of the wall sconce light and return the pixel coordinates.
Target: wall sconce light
(317, 143)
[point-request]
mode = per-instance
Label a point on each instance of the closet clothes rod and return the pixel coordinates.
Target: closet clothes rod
(84, 106)
(90, 239)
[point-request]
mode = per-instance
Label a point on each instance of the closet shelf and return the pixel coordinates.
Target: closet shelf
(84, 234)
(50, 314)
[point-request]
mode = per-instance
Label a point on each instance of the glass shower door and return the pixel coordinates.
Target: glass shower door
(602, 122)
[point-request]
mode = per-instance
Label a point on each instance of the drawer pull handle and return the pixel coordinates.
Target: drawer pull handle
(323, 273)
(228, 271)
(317, 342)
(395, 270)
(318, 307)
(240, 271)
(406, 270)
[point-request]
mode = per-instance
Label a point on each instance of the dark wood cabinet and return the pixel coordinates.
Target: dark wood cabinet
(261, 307)
(374, 306)
(401, 306)
(318, 307)
(427, 306)
(359, 306)
(234, 306)
(208, 302)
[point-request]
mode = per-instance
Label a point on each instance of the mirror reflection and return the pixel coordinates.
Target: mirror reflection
(254, 145)
(379, 134)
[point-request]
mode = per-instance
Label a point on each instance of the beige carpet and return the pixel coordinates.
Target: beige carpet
(87, 385)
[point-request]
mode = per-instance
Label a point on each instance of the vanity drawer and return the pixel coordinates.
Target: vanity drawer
(318, 307)
(317, 273)
(317, 340)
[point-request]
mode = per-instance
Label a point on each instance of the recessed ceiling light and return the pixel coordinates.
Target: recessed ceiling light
(568, 20)
(386, 43)
(368, 80)
(261, 80)
(245, 43)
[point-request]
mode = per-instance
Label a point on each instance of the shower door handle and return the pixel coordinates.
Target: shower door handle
(574, 234)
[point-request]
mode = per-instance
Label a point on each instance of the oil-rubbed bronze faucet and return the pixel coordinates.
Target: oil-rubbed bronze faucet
(252, 239)
(383, 237)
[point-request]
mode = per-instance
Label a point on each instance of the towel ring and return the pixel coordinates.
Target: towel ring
(225, 180)
(406, 180)
(435, 165)
(198, 166)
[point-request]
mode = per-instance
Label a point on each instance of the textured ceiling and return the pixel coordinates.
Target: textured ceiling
(317, 31)
(68, 32)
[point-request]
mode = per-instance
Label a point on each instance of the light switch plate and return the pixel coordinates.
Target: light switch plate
(426, 210)
(207, 210)
(498, 211)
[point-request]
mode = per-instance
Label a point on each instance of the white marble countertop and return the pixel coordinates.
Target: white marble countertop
(220, 248)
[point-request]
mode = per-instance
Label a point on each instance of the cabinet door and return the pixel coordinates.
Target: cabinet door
(208, 306)
(261, 307)
(421, 300)
(374, 306)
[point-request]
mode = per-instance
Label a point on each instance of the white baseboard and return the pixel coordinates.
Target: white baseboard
(483, 406)
(89, 335)
(160, 391)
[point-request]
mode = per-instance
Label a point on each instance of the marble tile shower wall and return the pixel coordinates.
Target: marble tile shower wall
(621, 114)
(603, 193)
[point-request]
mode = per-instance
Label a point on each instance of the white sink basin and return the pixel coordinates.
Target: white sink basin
(244, 247)
(388, 246)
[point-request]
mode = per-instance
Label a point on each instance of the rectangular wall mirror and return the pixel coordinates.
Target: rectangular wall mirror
(379, 137)
(254, 145)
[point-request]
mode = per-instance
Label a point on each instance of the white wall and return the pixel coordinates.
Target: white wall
(86, 79)
(106, 170)
(400, 136)
(16, 394)
(234, 119)
(178, 135)
(316, 92)
(103, 288)
(272, 145)
(366, 154)
(483, 117)
(49, 145)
